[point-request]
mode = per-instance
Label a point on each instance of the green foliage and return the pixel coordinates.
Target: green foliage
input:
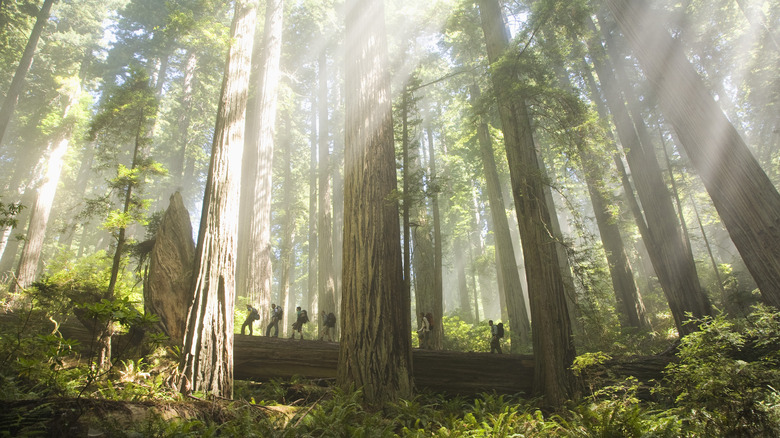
(726, 379)
(615, 411)
(8, 214)
(461, 336)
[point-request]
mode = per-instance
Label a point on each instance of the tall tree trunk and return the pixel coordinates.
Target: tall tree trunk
(748, 203)
(406, 188)
(510, 277)
(666, 246)
(181, 131)
(552, 338)
(461, 263)
(375, 351)
(326, 287)
(207, 362)
(41, 208)
(437, 337)
(311, 289)
(257, 272)
(287, 253)
(17, 83)
(138, 154)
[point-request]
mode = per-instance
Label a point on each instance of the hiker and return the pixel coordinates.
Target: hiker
(424, 330)
(276, 316)
(302, 318)
(329, 322)
(496, 333)
(252, 315)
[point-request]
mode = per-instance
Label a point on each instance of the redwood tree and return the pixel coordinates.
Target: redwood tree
(375, 350)
(207, 361)
(552, 337)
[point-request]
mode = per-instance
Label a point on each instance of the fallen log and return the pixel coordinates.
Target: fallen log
(265, 358)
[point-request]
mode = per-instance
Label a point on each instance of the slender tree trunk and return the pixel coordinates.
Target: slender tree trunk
(287, 253)
(375, 351)
(326, 287)
(121, 239)
(17, 83)
(406, 202)
(462, 285)
(207, 362)
(510, 277)
(748, 203)
(181, 131)
(311, 290)
(437, 337)
(552, 337)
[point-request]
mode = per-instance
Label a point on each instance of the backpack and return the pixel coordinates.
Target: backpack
(330, 320)
(278, 312)
(429, 317)
(304, 317)
(253, 314)
(500, 330)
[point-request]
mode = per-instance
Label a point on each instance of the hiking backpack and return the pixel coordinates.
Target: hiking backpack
(330, 320)
(500, 330)
(304, 317)
(429, 317)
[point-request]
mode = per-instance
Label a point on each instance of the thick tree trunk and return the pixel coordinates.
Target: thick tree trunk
(17, 83)
(207, 362)
(510, 277)
(748, 203)
(552, 337)
(376, 349)
(325, 287)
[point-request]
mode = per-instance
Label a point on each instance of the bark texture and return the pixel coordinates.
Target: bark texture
(376, 347)
(552, 336)
(207, 364)
(167, 287)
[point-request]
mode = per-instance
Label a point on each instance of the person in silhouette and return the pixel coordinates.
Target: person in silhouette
(329, 323)
(276, 316)
(495, 338)
(302, 317)
(424, 330)
(252, 315)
